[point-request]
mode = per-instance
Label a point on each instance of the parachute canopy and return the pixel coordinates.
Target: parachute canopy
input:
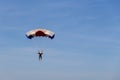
(40, 33)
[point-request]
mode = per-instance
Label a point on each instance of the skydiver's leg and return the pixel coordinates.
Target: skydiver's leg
(41, 56)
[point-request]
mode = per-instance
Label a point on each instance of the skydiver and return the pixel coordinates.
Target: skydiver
(40, 54)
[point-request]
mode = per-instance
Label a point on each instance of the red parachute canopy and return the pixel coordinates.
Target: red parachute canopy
(40, 33)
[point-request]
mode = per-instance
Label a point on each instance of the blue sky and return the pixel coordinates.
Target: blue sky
(86, 45)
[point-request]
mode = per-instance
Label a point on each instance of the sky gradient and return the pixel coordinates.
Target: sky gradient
(86, 45)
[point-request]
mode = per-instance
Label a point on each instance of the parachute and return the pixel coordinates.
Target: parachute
(40, 33)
